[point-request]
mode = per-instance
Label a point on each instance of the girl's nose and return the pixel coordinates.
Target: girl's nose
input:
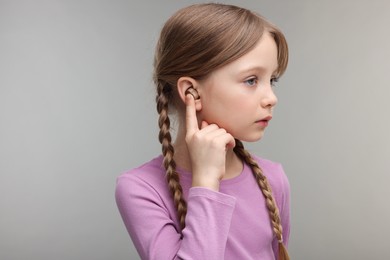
(268, 98)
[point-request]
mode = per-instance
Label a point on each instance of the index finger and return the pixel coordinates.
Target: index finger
(191, 119)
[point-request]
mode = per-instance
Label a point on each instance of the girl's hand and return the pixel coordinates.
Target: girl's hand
(207, 148)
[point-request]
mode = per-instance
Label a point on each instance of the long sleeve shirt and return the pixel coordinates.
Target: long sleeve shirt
(232, 223)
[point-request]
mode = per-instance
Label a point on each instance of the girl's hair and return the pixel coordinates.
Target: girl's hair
(195, 41)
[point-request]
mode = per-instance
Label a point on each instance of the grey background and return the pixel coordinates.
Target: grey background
(77, 109)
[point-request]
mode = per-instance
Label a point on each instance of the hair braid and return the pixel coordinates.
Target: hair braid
(173, 179)
(267, 192)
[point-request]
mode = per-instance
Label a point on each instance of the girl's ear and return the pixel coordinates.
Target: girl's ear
(185, 83)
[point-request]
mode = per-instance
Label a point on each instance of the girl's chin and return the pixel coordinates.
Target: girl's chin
(250, 139)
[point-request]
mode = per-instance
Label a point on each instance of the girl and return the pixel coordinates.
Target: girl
(206, 197)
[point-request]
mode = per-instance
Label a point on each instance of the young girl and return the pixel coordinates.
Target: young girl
(206, 197)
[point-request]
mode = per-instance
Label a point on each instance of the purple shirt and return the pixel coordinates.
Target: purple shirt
(230, 224)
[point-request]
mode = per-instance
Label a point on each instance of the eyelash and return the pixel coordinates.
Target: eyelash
(251, 79)
(272, 81)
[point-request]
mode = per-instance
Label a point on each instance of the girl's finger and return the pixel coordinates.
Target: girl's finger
(191, 119)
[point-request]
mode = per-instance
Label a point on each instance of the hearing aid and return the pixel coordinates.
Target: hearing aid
(192, 92)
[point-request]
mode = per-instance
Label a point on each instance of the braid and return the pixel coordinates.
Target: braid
(162, 100)
(267, 192)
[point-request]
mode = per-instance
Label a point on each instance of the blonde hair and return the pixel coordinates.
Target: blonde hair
(195, 41)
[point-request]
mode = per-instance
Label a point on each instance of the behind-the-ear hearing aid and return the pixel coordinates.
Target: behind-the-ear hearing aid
(192, 92)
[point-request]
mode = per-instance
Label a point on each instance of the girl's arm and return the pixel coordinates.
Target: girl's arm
(152, 223)
(150, 217)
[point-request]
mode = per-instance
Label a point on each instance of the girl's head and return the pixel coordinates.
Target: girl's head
(194, 43)
(201, 38)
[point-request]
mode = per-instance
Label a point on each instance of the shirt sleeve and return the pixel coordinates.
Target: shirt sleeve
(153, 231)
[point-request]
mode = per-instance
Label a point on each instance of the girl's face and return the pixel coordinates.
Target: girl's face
(239, 97)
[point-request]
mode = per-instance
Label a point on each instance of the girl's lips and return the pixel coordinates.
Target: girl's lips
(267, 118)
(264, 122)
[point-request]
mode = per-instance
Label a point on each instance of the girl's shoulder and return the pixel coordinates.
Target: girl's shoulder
(150, 169)
(147, 178)
(274, 173)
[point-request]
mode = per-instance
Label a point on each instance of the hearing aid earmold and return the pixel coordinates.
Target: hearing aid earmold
(193, 92)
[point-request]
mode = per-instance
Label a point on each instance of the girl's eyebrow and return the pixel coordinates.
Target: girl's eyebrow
(252, 69)
(255, 69)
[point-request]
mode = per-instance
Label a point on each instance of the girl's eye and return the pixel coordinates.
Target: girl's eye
(273, 81)
(251, 82)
